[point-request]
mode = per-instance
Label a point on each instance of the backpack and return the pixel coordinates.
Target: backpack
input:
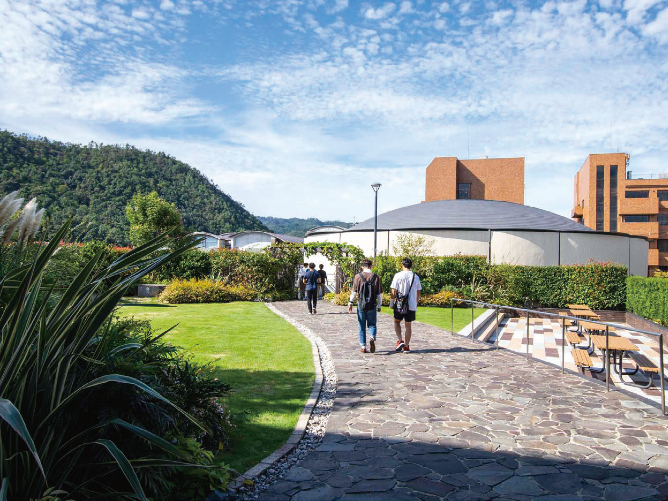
(401, 303)
(367, 299)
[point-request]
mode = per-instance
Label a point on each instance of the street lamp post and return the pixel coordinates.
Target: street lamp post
(376, 187)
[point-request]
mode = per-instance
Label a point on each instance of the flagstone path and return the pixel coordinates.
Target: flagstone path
(460, 420)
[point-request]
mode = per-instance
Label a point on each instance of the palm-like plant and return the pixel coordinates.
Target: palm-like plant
(51, 343)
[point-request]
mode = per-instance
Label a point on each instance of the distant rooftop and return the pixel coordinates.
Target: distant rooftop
(473, 215)
(661, 175)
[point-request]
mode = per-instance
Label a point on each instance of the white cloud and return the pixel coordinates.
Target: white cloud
(167, 5)
(659, 27)
(636, 9)
(379, 13)
(338, 6)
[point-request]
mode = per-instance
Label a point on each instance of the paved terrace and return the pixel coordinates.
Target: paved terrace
(460, 420)
(546, 343)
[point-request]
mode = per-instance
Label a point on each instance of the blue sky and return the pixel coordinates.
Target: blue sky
(295, 107)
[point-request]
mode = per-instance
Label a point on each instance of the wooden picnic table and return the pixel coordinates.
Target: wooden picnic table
(592, 326)
(584, 313)
(577, 306)
(617, 345)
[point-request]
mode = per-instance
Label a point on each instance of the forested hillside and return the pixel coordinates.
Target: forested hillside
(93, 184)
(295, 226)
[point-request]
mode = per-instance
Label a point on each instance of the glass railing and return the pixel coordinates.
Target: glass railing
(607, 326)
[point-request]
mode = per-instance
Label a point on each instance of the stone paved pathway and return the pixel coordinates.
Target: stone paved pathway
(460, 420)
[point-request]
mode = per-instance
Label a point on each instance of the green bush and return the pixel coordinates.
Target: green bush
(458, 271)
(648, 297)
(599, 285)
(262, 272)
(192, 264)
(206, 291)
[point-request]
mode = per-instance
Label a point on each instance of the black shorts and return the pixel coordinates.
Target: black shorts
(408, 317)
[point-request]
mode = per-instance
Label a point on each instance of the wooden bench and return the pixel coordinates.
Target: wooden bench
(567, 321)
(573, 338)
(645, 365)
(581, 358)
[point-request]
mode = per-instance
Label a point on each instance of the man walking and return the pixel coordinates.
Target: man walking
(369, 288)
(311, 280)
(300, 279)
(323, 280)
(405, 296)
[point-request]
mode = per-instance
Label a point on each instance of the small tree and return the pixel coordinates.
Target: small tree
(149, 215)
(413, 245)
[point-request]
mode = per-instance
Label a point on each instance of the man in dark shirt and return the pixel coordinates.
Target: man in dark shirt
(367, 318)
(323, 280)
(311, 280)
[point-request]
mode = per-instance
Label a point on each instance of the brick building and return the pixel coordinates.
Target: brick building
(607, 197)
(449, 178)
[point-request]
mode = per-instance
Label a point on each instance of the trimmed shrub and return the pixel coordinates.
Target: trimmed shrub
(268, 275)
(205, 291)
(599, 285)
(192, 264)
(648, 297)
(440, 299)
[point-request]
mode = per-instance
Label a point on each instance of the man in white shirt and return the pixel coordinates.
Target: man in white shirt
(405, 284)
(300, 278)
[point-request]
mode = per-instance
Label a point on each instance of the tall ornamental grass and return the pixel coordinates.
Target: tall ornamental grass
(52, 344)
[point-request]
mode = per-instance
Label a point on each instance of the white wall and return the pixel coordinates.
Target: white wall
(253, 240)
(527, 248)
(451, 242)
(516, 247)
(581, 248)
(639, 249)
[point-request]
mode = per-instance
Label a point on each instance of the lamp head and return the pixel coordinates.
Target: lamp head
(376, 186)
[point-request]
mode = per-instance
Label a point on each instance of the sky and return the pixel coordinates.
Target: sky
(295, 107)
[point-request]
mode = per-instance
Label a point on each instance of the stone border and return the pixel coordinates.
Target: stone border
(305, 416)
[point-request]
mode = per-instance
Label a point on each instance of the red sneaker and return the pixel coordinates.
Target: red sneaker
(407, 348)
(400, 346)
(363, 350)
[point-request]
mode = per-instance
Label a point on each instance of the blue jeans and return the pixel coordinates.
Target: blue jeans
(366, 318)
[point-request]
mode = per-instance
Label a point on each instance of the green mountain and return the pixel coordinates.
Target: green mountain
(94, 183)
(295, 226)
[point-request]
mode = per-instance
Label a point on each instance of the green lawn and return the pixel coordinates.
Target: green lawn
(440, 317)
(265, 359)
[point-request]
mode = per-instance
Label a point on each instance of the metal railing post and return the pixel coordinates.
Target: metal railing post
(497, 329)
(452, 317)
(607, 358)
(563, 346)
(528, 317)
(471, 321)
(663, 376)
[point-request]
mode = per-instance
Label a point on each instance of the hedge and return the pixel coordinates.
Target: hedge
(205, 291)
(648, 297)
(599, 285)
(258, 271)
(441, 299)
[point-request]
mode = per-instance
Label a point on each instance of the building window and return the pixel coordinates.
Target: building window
(637, 194)
(613, 198)
(663, 195)
(637, 219)
(663, 219)
(600, 197)
(663, 245)
(463, 191)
